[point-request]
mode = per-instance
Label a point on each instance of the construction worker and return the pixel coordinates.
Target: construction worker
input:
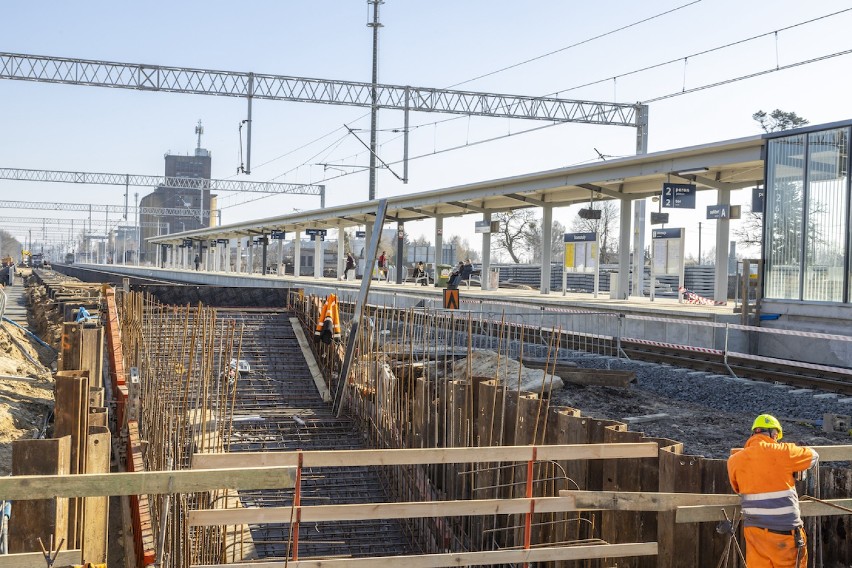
(762, 473)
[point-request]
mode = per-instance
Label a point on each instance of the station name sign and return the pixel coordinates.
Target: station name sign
(666, 233)
(579, 237)
(316, 232)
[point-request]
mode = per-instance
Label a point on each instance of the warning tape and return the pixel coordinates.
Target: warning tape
(673, 346)
(790, 363)
(691, 297)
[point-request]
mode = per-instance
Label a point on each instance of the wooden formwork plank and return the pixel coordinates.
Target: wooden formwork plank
(645, 500)
(92, 353)
(144, 482)
(313, 367)
(564, 526)
(98, 416)
(72, 419)
(714, 481)
(709, 513)
(39, 518)
(36, 559)
(488, 558)
(96, 509)
(422, 456)
(621, 475)
(115, 354)
(679, 545)
(71, 349)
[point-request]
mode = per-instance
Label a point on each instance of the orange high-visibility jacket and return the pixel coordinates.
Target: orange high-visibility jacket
(762, 474)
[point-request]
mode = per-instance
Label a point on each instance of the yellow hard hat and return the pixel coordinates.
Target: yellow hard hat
(768, 422)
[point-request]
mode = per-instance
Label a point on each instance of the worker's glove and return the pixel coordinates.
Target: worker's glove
(725, 527)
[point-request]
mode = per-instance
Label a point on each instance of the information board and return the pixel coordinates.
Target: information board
(667, 248)
(678, 195)
(758, 199)
(277, 235)
(581, 255)
(718, 211)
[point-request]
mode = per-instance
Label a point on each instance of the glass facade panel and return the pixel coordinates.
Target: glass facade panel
(785, 163)
(826, 223)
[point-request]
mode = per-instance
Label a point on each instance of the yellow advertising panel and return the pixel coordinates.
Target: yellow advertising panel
(569, 255)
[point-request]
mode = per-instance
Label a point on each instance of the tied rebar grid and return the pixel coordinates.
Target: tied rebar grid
(187, 400)
(405, 391)
(194, 401)
(279, 408)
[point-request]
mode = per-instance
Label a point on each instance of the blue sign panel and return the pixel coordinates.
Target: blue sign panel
(187, 243)
(678, 195)
(360, 234)
(666, 233)
(222, 241)
(579, 237)
(314, 232)
(758, 199)
(277, 235)
(718, 211)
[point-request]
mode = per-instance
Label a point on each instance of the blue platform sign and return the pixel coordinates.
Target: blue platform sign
(678, 195)
(187, 243)
(277, 235)
(222, 241)
(758, 199)
(666, 233)
(315, 232)
(718, 211)
(360, 234)
(579, 237)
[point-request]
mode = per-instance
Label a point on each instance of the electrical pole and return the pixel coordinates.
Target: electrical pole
(699, 243)
(136, 229)
(374, 110)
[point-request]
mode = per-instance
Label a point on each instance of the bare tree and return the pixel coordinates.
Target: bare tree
(513, 236)
(606, 227)
(535, 237)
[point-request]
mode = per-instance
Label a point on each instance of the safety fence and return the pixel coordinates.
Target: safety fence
(417, 387)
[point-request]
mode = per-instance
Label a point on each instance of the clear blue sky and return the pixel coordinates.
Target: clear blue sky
(434, 43)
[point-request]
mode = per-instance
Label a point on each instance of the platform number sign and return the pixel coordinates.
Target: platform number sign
(678, 195)
(758, 199)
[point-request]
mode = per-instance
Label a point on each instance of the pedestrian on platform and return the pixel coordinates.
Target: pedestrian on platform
(764, 474)
(197, 261)
(349, 272)
(383, 264)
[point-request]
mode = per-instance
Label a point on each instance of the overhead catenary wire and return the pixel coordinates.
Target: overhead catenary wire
(683, 90)
(514, 65)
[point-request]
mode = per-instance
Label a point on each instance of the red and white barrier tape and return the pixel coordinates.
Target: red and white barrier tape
(691, 297)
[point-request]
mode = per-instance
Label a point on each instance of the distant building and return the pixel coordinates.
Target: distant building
(194, 201)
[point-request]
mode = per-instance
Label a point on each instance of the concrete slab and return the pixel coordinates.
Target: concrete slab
(800, 391)
(826, 395)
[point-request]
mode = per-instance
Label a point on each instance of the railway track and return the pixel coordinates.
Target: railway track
(790, 374)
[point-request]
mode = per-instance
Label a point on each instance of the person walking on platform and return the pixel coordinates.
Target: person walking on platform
(197, 261)
(762, 473)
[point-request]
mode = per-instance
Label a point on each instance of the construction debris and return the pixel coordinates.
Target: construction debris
(488, 364)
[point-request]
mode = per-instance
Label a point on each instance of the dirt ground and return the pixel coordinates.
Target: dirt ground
(26, 403)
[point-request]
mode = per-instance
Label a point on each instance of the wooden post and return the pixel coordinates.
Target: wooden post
(41, 518)
(96, 509)
(72, 415)
(682, 474)
(71, 349)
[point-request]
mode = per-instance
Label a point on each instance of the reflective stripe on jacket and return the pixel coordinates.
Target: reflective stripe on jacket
(762, 473)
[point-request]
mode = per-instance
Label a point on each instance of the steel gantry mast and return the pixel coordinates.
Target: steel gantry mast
(161, 78)
(120, 209)
(100, 178)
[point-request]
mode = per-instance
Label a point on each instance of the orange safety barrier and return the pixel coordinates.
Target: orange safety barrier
(116, 355)
(140, 508)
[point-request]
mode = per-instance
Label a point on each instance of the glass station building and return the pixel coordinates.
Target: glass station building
(807, 215)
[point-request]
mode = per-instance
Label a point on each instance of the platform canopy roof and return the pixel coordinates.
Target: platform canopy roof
(732, 164)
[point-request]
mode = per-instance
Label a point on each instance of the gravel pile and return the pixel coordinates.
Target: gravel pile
(708, 413)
